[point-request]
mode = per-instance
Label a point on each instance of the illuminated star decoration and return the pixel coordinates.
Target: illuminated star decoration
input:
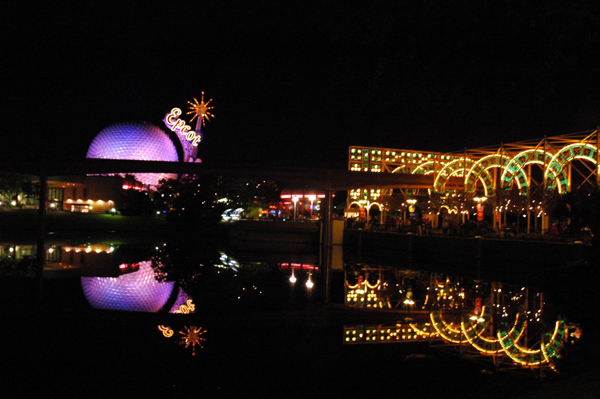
(200, 110)
(192, 336)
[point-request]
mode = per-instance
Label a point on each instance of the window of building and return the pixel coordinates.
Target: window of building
(55, 194)
(83, 208)
(53, 255)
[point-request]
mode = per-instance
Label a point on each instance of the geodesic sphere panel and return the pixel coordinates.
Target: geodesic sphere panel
(135, 141)
(135, 292)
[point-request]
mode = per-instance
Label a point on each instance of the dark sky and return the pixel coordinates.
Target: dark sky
(297, 84)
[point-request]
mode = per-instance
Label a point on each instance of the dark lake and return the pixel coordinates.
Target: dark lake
(114, 319)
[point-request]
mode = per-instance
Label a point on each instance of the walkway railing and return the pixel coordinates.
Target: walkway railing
(582, 237)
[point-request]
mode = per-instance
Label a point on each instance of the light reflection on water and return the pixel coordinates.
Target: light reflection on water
(506, 323)
(137, 291)
(212, 284)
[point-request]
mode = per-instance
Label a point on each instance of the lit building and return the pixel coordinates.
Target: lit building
(300, 203)
(89, 194)
(105, 194)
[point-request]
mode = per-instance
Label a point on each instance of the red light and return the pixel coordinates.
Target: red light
(298, 266)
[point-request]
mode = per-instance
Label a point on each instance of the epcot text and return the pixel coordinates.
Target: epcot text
(178, 126)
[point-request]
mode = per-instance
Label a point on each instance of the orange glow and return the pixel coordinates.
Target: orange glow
(200, 109)
(178, 126)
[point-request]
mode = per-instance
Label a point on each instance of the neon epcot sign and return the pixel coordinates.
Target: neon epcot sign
(200, 109)
(179, 126)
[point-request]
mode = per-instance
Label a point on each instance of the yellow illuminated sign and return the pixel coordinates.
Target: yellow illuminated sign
(179, 126)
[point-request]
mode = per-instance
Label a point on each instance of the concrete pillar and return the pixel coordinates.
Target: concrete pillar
(41, 233)
(327, 204)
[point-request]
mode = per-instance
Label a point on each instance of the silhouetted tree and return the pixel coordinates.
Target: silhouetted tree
(205, 198)
(14, 184)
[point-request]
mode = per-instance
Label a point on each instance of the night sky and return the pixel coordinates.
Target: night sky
(297, 84)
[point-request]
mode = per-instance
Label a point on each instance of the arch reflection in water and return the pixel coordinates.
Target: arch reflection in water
(136, 292)
(490, 318)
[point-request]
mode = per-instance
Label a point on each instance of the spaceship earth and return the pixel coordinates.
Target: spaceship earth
(135, 141)
(135, 292)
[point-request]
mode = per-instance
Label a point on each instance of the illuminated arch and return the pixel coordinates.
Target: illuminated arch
(531, 357)
(456, 167)
(377, 204)
(473, 333)
(556, 340)
(450, 210)
(402, 169)
(448, 331)
(370, 205)
(506, 342)
(354, 203)
(425, 168)
(479, 170)
(515, 170)
(565, 155)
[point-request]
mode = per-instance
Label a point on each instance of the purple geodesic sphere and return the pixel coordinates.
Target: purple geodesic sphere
(134, 292)
(135, 141)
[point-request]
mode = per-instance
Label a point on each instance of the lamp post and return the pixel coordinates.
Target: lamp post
(409, 302)
(312, 199)
(295, 200)
(411, 205)
(365, 204)
(479, 207)
(411, 213)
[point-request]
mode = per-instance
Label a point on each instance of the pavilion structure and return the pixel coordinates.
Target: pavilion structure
(521, 178)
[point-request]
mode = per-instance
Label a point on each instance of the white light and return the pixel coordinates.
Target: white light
(309, 283)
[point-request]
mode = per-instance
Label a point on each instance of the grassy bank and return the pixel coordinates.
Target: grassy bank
(22, 226)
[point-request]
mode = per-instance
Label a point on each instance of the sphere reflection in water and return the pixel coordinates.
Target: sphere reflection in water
(134, 292)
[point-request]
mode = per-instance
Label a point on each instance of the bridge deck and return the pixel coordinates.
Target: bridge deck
(327, 179)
